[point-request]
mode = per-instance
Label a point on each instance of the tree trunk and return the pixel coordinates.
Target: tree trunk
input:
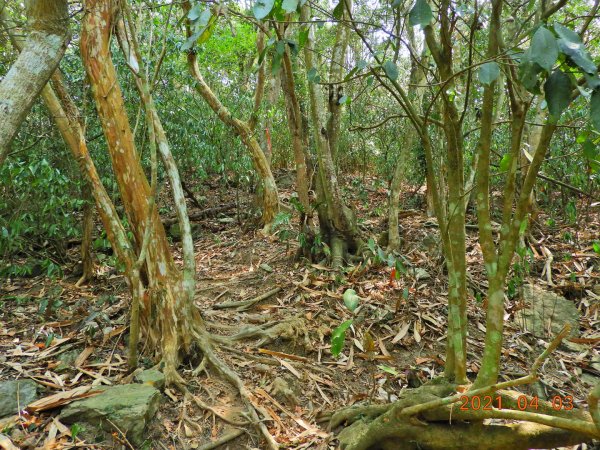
(417, 76)
(336, 220)
(168, 317)
(48, 22)
(294, 116)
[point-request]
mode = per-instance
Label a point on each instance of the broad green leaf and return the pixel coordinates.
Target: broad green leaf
(290, 6)
(338, 336)
(388, 369)
(420, 14)
(571, 45)
(262, 8)
(505, 162)
(338, 11)
(361, 64)
(391, 70)
(280, 47)
(557, 90)
(370, 80)
(276, 64)
(350, 74)
(303, 37)
(544, 49)
(312, 75)
(488, 72)
(589, 150)
(593, 81)
(343, 99)
(595, 109)
(528, 74)
(204, 18)
(351, 299)
(195, 12)
(596, 247)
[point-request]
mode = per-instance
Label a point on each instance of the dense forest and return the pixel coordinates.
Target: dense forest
(299, 224)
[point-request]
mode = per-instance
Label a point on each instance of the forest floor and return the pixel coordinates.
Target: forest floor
(294, 379)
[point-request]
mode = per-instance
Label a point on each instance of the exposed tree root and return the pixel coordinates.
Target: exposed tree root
(450, 426)
(291, 329)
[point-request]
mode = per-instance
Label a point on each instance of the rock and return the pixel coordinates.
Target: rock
(420, 274)
(283, 392)
(128, 406)
(152, 377)
(544, 309)
(67, 360)
(15, 395)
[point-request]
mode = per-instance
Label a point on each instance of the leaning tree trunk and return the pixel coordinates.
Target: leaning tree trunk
(270, 196)
(168, 318)
(48, 22)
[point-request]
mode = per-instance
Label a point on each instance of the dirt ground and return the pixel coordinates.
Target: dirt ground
(294, 378)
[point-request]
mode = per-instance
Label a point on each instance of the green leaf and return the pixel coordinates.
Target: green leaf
(558, 93)
(420, 14)
(596, 247)
(338, 11)
(195, 12)
(488, 72)
(528, 74)
(303, 37)
(595, 109)
(338, 336)
(312, 75)
(289, 6)
(349, 74)
(276, 64)
(571, 45)
(505, 162)
(544, 49)
(351, 299)
(280, 48)
(262, 8)
(391, 70)
(388, 369)
(343, 99)
(370, 80)
(589, 150)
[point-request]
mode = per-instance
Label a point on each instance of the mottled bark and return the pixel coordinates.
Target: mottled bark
(48, 24)
(168, 318)
(130, 48)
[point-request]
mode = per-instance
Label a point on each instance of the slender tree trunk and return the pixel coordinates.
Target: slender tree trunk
(48, 22)
(87, 225)
(417, 77)
(337, 222)
(294, 116)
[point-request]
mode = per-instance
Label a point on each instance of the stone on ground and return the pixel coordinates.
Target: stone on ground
(130, 407)
(546, 312)
(16, 395)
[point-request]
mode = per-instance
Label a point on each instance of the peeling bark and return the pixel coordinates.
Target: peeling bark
(168, 317)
